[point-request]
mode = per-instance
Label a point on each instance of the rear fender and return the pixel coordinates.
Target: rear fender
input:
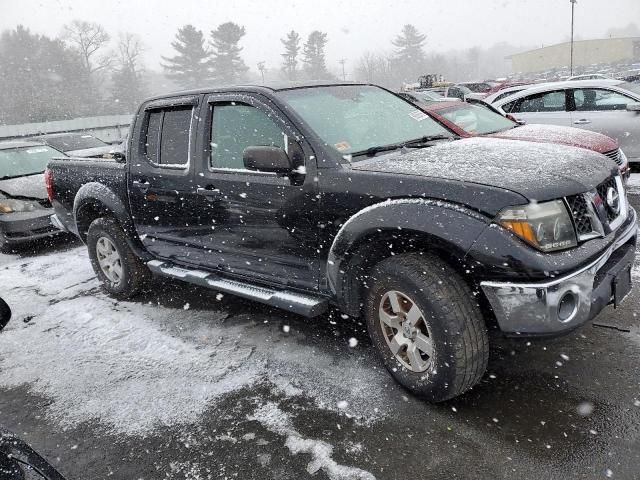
(94, 200)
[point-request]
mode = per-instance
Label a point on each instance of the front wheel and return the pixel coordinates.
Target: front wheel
(121, 272)
(425, 323)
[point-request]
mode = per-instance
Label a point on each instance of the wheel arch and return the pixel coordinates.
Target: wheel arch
(95, 200)
(394, 227)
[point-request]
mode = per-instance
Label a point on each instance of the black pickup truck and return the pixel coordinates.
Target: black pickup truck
(348, 195)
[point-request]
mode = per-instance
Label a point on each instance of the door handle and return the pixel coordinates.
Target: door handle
(209, 192)
(141, 184)
(582, 121)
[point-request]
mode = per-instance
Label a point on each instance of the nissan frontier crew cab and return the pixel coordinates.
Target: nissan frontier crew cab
(346, 195)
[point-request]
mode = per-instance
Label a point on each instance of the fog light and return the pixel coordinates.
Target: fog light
(567, 307)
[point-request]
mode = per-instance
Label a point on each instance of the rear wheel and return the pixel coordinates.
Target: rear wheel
(426, 325)
(121, 272)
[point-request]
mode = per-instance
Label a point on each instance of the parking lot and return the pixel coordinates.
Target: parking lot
(187, 383)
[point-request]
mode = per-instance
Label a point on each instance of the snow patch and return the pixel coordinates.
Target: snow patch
(134, 367)
(277, 421)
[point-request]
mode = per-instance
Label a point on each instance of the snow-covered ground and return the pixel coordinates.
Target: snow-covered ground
(134, 366)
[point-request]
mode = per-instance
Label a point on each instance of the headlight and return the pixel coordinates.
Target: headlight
(623, 158)
(546, 226)
(8, 205)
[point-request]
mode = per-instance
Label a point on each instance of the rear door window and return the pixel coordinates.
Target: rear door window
(167, 136)
(599, 99)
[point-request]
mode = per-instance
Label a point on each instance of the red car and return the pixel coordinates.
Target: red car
(471, 120)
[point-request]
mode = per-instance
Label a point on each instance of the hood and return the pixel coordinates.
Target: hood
(31, 187)
(538, 171)
(574, 137)
(90, 152)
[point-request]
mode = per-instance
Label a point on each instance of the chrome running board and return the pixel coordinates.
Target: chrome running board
(287, 300)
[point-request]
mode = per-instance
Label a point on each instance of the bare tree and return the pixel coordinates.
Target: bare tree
(128, 87)
(261, 69)
(89, 39)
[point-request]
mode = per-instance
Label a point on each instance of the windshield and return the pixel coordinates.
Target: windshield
(68, 143)
(355, 118)
(18, 162)
(428, 96)
(476, 120)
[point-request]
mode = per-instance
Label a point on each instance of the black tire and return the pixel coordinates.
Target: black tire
(135, 273)
(451, 319)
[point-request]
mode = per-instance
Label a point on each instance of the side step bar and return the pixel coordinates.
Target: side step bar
(292, 301)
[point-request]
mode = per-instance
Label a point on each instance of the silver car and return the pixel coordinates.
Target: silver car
(610, 107)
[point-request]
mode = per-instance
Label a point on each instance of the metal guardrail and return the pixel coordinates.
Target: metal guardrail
(106, 127)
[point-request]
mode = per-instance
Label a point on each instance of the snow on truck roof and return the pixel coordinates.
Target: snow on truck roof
(269, 86)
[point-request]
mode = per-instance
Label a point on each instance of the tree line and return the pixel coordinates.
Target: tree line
(86, 72)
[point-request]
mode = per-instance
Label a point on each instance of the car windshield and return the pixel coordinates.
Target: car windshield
(18, 162)
(476, 120)
(428, 96)
(68, 143)
(354, 118)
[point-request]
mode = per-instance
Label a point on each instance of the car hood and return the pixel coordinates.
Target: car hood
(575, 137)
(31, 186)
(538, 171)
(90, 152)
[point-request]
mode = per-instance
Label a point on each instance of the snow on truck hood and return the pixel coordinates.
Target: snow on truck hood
(31, 186)
(575, 137)
(538, 171)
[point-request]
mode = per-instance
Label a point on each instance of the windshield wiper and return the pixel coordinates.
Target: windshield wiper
(415, 143)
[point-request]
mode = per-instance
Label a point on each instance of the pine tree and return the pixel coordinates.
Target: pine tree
(409, 45)
(227, 65)
(314, 61)
(290, 55)
(409, 56)
(189, 68)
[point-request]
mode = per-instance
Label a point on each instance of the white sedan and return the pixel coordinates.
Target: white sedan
(610, 107)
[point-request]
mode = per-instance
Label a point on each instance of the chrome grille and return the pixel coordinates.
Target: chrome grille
(602, 191)
(615, 156)
(592, 215)
(580, 213)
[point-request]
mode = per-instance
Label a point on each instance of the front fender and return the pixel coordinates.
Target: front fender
(451, 224)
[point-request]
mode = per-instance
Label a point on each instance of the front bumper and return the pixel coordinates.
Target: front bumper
(562, 304)
(21, 227)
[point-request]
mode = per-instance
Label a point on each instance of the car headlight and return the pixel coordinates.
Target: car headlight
(8, 205)
(546, 226)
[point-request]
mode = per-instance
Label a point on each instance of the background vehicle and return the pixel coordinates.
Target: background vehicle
(589, 76)
(25, 211)
(470, 120)
(302, 197)
(609, 107)
(76, 144)
(423, 96)
(505, 92)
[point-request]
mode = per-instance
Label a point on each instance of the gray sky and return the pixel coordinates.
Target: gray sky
(352, 26)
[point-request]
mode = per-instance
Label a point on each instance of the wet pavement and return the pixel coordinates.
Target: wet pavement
(293, 398)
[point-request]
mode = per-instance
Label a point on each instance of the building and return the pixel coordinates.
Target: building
(585, 53)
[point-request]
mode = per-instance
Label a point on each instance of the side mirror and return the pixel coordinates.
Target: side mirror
(5, 313)
(266, 159)
(514, 119)
(633, 107)
(119, 156)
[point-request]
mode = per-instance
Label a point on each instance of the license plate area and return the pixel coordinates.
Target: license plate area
(621, 286)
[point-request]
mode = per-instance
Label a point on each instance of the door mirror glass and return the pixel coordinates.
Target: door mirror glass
(5, 313)
(266, 159)
(633, 107)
